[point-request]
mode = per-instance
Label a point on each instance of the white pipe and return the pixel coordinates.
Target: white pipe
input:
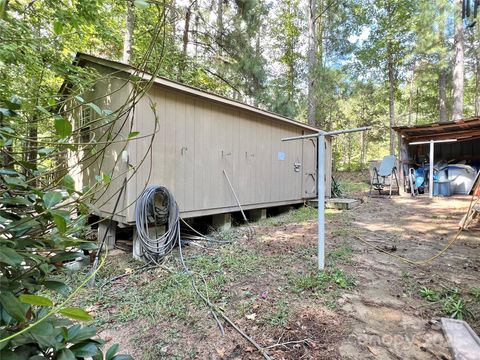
(329, 133)
(428, 142)
(321, 184)
(321, 201)
(430, 181)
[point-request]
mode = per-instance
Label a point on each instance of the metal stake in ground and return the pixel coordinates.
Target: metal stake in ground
(321, 184)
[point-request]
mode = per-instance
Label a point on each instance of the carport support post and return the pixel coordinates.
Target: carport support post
(430, 183)
(432, 152)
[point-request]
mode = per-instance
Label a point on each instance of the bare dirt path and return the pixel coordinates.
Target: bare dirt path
(386, 319)
(366, 305)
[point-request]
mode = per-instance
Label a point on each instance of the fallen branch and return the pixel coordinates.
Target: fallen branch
(304, 341)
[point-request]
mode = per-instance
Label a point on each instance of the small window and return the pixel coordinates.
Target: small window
(84, 124)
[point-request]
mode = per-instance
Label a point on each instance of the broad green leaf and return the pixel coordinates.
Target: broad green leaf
(35, 300)
(7, 354)
(66, 354)
(106, 179)
(79, 99)
(10, 256)
(57, 27)
(15, 200)
(63, 127)
(80, 334)
(122, 357)
(60, 223)
(64, 256)
(111, 352)
(43, 110)
(51, 198)
(12, 306)
(6, 112)
(8, 130)
(45, 151)
(76, 314)
(72, 332)
(133, 134)
(15, 181)
(95, 108)
(69, 184)
(44, 328)
(3, 334)
(85, 349)
(141, 4)
(14, 103)
(8, 172)
(58, 286)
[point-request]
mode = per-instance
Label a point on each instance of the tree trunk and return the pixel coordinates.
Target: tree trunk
(32, 146)
(477, 85)
(196, 27)
(391, 99)
(172, 16)
(477, 73)
(442, 94)
(458, 69)
(219, 20)
(186, 29)
(312, 62)
(410, 102)
(3, 9)
(442, 72)
(128, 39)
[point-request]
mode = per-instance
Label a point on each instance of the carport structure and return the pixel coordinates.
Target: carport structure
(456, 141)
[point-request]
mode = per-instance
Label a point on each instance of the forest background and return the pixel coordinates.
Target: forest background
(335, 64)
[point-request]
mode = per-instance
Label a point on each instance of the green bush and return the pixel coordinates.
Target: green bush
(38, 232)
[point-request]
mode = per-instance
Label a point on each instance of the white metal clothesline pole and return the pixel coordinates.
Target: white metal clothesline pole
(432, 152)
(321, 183)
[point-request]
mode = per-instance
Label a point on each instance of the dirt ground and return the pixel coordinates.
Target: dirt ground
(367, 305)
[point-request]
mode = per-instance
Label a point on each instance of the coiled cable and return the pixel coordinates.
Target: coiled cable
(157, 206)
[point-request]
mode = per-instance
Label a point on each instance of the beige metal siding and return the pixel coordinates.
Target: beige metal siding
(197, 139)
(109, 93)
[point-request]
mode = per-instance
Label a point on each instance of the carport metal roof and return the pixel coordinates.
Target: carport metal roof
(461, 130)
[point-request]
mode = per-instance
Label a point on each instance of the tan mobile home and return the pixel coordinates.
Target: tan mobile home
(198, 137)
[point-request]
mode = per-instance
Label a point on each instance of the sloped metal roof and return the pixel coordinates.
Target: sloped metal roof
(464, 129)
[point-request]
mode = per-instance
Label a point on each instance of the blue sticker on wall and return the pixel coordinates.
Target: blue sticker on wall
(281, 156)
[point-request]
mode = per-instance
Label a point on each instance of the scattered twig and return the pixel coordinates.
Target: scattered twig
(304, 341)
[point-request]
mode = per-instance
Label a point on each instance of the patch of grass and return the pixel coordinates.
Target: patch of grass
(299, 216)
(323, 280)
(456, 308)
(341, 254)
(428, 294)
(277, 315)
(451, 302)
(348, 187)
(409, 283)
(475, 293)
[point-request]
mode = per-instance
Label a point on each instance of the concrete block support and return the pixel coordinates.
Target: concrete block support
(257, 214)
(137, 247)
(110, 234)
(222, 221)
